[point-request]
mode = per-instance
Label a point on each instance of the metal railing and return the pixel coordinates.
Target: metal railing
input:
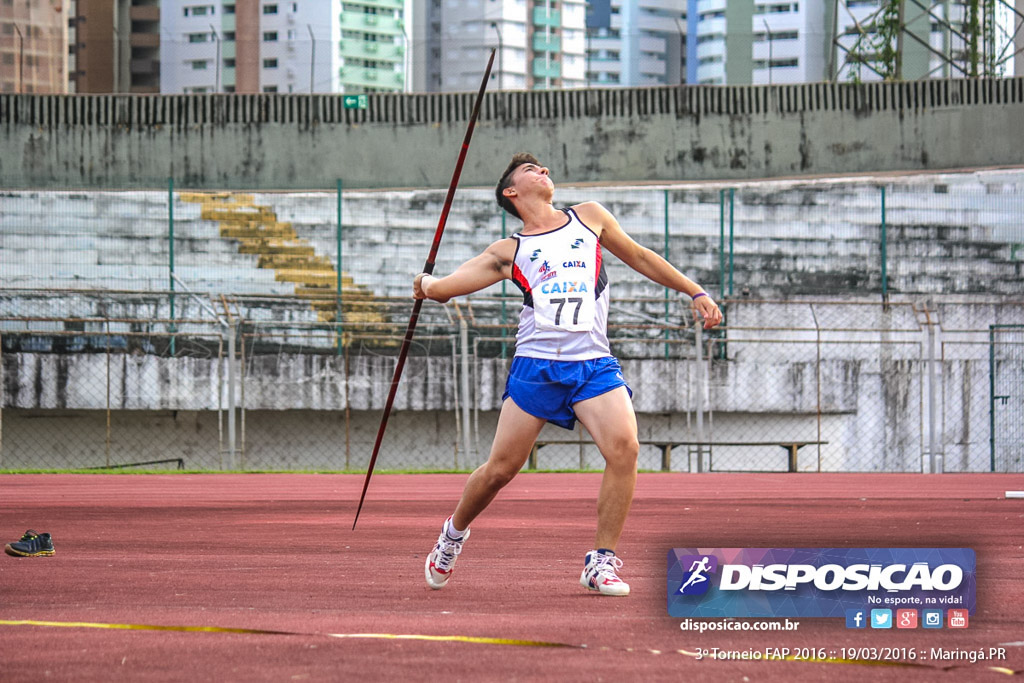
(789, 385)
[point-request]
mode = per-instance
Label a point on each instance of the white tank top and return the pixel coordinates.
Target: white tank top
(565, 293)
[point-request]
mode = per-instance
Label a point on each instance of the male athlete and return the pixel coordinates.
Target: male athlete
(563, 369)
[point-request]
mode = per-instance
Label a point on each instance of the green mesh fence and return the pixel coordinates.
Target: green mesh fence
(869, 327)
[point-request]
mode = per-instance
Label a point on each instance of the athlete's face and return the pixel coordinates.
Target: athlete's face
(530, 176)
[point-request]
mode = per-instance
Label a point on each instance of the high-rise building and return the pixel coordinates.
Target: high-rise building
(637, 43)
(33, 46)
(374, 45)
(756, 41)
(114, 46)
(248, 46)
(289, 46)
(787, 41)
(541, 44)
(789, 44)
(292, 46)
(144, 43)
(198, 46)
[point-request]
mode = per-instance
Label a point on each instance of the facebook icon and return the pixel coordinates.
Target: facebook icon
(856, 618)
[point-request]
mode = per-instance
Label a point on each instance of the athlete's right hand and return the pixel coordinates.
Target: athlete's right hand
(704, 307)
(417, 286)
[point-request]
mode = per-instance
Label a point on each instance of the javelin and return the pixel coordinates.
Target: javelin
(428, 268)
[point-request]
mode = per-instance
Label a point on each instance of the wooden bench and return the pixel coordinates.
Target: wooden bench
(180, 461)
(791, 448)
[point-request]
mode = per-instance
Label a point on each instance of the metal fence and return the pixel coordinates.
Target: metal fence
(259, 330)
(946, 234)
(813, 385)
(1006, 397)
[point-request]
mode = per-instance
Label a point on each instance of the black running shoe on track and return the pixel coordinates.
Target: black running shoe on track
(31, 545)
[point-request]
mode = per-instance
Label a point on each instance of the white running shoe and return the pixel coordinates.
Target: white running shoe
(599, 574)
(441, 560)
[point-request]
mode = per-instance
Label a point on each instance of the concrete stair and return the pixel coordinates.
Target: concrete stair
(960, 234)
(257, 230)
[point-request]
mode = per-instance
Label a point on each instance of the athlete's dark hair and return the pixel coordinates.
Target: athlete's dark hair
(506, 180)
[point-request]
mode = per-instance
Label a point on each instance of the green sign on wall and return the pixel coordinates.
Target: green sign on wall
(354, 101)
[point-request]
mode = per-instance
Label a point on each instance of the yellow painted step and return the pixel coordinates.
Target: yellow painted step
(296, 261)
(260, 245)
(328, 292)
(228, 214)
(349, 292)
(369, 307)
(200, 197)
(293, 260)
(369, 323)
(306, 277)
(257, 231)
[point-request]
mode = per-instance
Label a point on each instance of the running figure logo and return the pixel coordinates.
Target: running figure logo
(546, 272)
(696, 580)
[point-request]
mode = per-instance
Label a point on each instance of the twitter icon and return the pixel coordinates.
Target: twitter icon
(881, 618)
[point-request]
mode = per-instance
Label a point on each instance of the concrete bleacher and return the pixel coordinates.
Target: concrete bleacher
(118, 241)
(959, 233)
(950, 233)
(121, 241)
(387, 235)
(275, 258)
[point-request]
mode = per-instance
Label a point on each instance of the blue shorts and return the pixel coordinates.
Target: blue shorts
(549, 388)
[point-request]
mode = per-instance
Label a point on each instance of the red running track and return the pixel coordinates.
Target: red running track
(276, 552)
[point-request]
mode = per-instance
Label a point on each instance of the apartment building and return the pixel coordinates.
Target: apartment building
(33, 46)
(797, 41)
(246, 46)
(639, 43)
(541, 44)
(374, 45)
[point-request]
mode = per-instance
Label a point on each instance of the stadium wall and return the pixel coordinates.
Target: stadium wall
(277, 141)
(869, 409)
